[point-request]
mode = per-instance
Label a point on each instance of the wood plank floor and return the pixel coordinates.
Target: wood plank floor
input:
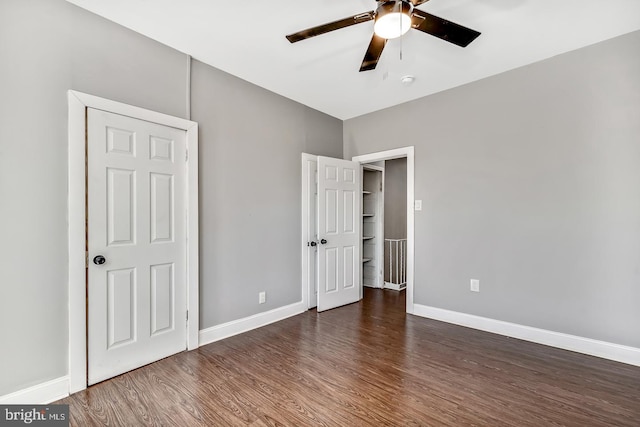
(367, 364)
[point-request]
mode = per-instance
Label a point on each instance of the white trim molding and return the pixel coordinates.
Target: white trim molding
(235, 327)
(398, 153)
(40, 394)
(306, 285)
(78, 104)
(602, 349)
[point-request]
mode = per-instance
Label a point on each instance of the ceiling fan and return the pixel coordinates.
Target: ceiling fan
(394, 18)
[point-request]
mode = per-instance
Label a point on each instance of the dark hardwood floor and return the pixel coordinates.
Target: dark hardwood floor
(367, 364)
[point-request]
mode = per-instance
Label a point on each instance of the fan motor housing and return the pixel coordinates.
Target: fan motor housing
(391, 6)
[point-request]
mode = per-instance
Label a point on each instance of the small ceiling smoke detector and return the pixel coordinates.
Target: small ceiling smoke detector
(407, 80)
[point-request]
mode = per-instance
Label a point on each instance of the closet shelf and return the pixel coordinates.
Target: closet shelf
(372, 211)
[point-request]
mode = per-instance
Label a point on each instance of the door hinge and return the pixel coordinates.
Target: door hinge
(186, 155)
(187, 315)
(86, 259)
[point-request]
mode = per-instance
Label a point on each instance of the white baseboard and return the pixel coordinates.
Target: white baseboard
(603, 349)
(39, 394)
(394, 286)
(235, 327)
(50, 391)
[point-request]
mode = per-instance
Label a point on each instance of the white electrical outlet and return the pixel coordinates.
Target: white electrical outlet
(475, 285)
(262, 297)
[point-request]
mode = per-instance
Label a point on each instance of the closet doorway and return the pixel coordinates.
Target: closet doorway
(393, 267)
(384, 224)
(310, 201)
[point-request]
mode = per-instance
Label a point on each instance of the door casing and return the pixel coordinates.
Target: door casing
(309, 230)
(78, 103)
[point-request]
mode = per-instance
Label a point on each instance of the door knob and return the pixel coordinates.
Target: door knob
(99, 260)
(313, 243)
(323, 241)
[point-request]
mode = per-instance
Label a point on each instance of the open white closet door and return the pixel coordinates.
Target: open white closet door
(339, 218)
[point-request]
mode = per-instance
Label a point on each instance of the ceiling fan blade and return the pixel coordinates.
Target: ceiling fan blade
(418, 2)
(441, 28)
(331, 26)
(373, 53)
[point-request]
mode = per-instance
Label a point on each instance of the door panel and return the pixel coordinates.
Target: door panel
(121, 310)
(120, 209)
(136, 220)
(349, 214)
(331, 212)
(162, 298)
(161, 207)
(349, 262)
(331, 270)
(339, 225)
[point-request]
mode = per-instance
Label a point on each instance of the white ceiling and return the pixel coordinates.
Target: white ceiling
(246, 39)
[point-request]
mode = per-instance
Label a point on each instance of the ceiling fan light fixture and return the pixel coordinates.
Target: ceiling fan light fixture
(393, 19)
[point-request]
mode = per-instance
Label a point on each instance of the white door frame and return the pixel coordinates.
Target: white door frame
(307, 286)
(78, 103)
(398, 153)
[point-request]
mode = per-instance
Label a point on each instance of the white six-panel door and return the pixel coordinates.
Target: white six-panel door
(339, 218)
(136, 221)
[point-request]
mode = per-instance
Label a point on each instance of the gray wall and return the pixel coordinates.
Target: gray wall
(250, 192)
(33, 190)
(50, 46)
(46, 48)
(530, 182)
(395, 199)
